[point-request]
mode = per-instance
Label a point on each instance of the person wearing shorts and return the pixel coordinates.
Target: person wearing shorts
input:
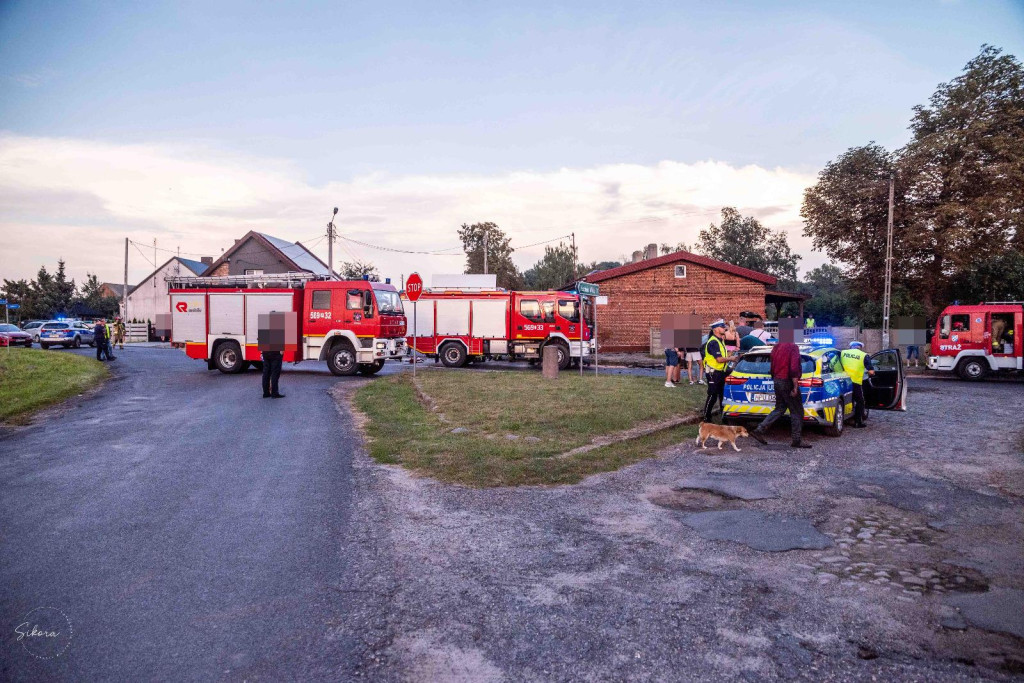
(671, 367)
(913, 351)
(693, 366)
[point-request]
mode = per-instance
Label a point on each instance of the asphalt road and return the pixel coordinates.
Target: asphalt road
(188, 528)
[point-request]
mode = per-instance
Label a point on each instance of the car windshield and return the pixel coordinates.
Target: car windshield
(761, 364)
(9, 328)
(388, 302)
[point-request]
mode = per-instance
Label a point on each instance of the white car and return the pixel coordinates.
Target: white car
(33, 329)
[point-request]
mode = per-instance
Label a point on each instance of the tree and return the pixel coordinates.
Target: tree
(20, 292)
(499, 253)
(831, 302)
(965, 169)
(745, 242)
(90, 297)
(669, 249)
(355, 270)
(554, 269)
(846, 216)
(63, 289)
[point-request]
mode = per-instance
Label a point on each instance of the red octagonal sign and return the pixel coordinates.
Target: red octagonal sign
(414, 287)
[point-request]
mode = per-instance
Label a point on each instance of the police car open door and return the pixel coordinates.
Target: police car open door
(887, 390)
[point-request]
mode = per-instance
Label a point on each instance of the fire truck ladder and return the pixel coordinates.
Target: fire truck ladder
(1003, 303)
(291, 280)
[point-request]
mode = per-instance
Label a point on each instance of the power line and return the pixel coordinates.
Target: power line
(554, 239)
(438, 252)
(142, 254)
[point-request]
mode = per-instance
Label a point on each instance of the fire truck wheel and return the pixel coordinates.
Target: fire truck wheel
(228, 358)
(371, 368)
(342, 360)
(972, 369)
(453, 355)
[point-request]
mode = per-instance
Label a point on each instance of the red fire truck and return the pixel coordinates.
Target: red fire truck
(460, 325)
(352, 325)
(974, 341)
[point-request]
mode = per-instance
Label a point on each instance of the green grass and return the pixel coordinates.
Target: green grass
(31, 379)
(549, 417)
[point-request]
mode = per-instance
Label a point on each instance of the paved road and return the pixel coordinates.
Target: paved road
(188, 528)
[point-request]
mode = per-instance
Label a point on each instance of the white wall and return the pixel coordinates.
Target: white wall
(151, 296)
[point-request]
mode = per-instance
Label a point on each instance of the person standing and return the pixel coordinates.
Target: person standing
(786, 372)
(671, 367)
(272, 361)
(100, 340)
(856, 363)
(716, 358)
(119, 333)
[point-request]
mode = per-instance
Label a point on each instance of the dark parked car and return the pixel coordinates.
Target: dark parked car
(10, 335)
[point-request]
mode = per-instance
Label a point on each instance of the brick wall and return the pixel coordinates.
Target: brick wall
(637, 301)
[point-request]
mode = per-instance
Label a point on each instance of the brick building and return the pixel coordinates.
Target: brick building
(639, 293)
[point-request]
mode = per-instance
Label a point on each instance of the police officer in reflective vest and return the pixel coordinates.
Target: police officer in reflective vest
(715, 360)
(856, 364)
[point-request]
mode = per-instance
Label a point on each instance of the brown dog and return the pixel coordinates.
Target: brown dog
(721, 432)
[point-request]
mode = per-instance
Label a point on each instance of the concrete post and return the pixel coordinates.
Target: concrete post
(549, 364)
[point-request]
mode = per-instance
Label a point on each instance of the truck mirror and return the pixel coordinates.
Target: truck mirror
(367, 304)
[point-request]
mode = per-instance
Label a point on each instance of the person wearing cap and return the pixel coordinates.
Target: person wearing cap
(856, 363)
(716, 358)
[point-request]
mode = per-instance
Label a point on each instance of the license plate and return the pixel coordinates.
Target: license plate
(761, 398)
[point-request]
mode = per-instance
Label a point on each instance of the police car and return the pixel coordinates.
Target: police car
(826, 389)
(66, 333)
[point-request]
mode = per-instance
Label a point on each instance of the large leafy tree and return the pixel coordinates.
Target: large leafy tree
(831, 302)
(846, 216)
(22, 293)
(499, 253)
(91, 297)
(743, 241)
(965, 169)
(959, 196)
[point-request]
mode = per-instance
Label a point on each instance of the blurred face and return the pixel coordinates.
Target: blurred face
(718, 331)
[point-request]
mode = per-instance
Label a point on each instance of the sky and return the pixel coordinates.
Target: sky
(625, 123)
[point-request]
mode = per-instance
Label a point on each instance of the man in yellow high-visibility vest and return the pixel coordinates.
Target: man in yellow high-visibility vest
(716, 358)
(857, 364)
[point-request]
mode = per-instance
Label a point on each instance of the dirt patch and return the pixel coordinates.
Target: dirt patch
(693, 501)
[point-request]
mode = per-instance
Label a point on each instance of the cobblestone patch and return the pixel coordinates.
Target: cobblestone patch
(894, 551)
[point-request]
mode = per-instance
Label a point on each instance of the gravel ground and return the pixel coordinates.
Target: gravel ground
(605, 581)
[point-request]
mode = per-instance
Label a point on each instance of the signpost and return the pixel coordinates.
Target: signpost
(413, 289)
(591, 290)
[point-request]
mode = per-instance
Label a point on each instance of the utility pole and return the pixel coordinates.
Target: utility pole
(888, 266)
(330, 244)
(124, 293)
(485, 251)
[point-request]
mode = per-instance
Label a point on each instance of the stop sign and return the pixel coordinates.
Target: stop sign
(414, 287)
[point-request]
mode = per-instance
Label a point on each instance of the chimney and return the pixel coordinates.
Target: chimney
(206, 260)
(651, 252)
(638, 256)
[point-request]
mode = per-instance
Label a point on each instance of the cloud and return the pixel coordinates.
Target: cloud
(79, 199)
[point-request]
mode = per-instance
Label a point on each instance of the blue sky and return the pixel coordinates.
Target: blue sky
(346, 93)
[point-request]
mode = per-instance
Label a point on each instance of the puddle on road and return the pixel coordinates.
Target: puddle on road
(694, 501)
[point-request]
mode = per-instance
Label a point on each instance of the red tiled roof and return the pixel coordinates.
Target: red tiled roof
(676, 257)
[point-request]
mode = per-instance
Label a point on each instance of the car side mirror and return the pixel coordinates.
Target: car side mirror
(367, 305)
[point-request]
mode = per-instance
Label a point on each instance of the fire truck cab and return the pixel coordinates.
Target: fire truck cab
(974, 341)
(355, 326)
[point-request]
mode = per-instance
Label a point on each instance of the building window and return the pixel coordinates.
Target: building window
(254, 271)
(680, 271)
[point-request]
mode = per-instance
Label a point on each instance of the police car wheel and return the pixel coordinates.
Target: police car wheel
(44, 346)
(77, 343)
(838, 422)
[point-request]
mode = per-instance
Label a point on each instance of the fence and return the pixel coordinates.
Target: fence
(136, 332)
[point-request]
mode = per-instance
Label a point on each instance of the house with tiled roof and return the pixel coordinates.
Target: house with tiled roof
(258, 253)
(150, 297)
(641, 292)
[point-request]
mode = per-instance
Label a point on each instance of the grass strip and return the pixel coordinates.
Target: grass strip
(516, 423)
(32, 379)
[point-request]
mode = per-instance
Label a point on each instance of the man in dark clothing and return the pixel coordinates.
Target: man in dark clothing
(716, 360)
(101, 341)
(271, 373)
(786, 371)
